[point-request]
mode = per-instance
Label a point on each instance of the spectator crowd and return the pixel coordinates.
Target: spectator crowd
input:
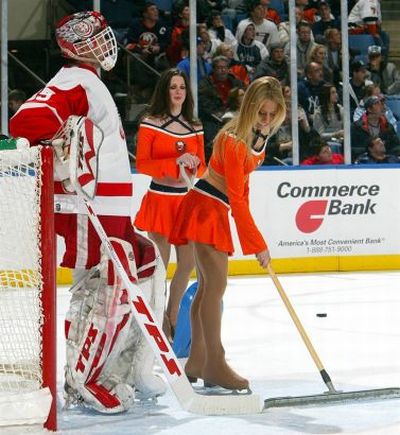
(241, 40)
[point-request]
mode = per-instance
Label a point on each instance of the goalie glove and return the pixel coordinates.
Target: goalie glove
(76, 147)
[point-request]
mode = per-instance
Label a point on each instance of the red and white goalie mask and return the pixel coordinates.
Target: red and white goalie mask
(86, 36)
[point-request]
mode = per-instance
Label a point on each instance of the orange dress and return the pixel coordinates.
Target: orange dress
(203, 215)
(159, 144)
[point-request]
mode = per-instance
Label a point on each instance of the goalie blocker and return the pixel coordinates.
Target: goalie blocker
(108, 360)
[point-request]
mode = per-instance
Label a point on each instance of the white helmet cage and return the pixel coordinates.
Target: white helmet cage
(86, 36)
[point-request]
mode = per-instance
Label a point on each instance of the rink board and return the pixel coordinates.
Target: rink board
(316, 219)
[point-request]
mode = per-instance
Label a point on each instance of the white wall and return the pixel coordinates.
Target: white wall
(357, 213)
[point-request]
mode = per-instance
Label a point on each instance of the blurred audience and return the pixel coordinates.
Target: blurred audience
(309, 88)
(235, 98)
(324, 20)
(333, 59)
(203, 67)
(376, 153)
(358, 74)
(319, 54)
(374, 90)
(266, 31)
(217, 29)
(181, 23)
(372, 124)
(328, 118)
(16, 98)
(383, 73)
(304, 46)
(275, 66)
(235, 68)
(324, 156)
(148, 37)
(248, 51)
(213, 98)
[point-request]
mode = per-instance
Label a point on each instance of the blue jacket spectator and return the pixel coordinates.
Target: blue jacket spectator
(203, 67)
(309, 88)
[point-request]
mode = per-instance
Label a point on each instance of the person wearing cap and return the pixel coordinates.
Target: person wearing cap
(370, 90)
(203, 67)
(275, 66)
(372, 124)
(383, 73)
(324, 20)
(357, 82)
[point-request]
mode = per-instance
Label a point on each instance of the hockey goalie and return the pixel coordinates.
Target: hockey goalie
(108, 361)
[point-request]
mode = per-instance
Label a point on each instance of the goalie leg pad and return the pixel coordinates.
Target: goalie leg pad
(98, 323)
(142, 378)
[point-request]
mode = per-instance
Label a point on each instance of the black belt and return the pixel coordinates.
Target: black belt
(167, 189)
(205, 186)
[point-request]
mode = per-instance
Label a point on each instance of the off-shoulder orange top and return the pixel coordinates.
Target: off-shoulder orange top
(158, 149)
(235, 163)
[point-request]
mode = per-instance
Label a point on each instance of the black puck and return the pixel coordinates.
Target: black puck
(322, 315)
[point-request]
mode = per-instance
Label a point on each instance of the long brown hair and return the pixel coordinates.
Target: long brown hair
(160, 103)
(260, 90)
(325, 103)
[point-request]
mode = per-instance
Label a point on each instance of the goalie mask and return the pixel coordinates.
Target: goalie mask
(87, 37)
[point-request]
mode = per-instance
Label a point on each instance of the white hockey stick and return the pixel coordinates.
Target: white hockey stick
(189, 180)
(177, 380)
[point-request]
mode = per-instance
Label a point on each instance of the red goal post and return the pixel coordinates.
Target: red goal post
(27, 288)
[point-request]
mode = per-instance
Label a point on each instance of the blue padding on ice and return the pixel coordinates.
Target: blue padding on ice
(182, 337)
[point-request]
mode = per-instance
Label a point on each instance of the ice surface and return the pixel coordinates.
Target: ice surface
(358, 343)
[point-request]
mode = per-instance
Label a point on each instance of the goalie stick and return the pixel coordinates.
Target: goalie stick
(177, 380)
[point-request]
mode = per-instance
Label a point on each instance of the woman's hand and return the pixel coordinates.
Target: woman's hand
(188, 160)
(263, 258)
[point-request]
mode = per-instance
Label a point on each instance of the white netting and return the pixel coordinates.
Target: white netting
(20, 275)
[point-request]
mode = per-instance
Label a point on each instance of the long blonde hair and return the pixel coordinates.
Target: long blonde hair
(260, 90)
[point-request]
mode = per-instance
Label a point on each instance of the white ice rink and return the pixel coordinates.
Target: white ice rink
(358, 342)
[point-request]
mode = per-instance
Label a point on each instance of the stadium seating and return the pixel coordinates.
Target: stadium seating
(228, 22)
(361, 43)
(279, 6)
(393, 102)
(164, 5)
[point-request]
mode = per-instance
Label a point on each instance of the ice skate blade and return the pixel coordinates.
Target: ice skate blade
(336, 397)
(217, 390)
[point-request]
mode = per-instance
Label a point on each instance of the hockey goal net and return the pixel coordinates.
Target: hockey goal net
(27, 288)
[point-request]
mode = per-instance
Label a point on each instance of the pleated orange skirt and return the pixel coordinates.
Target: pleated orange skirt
(203, 218)
(158, 210)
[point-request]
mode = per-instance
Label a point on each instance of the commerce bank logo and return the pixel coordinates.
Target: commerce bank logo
(310, 215)
(334, 201)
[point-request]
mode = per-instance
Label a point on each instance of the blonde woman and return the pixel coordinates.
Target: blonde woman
(319, 54)
(239, 148)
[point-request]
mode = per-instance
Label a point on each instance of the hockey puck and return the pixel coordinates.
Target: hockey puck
(322, 315)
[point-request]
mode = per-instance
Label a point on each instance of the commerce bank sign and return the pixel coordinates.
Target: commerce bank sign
(321, 201)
